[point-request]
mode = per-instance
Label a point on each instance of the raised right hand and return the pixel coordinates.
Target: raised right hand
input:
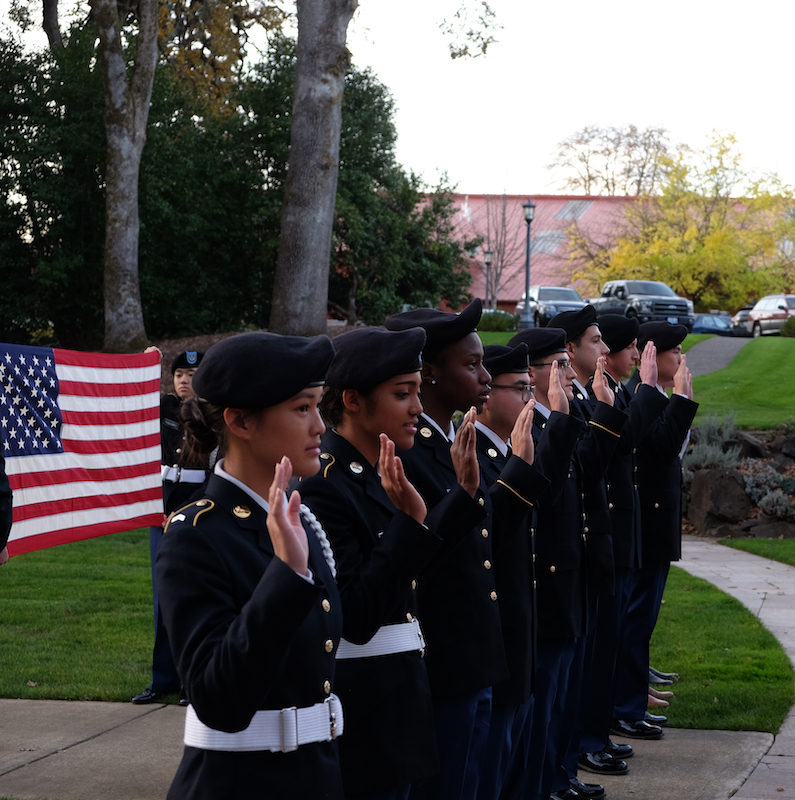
(288, 536)
(464, 454)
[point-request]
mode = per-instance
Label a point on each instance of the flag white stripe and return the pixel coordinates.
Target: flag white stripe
(92, 433)
(69, 402)
(68, 491)
(105, 461)
(108, 375)
(79, 519)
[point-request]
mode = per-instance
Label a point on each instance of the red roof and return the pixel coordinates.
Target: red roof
(499, 220)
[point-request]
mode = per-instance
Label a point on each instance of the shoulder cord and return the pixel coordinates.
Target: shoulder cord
(325, 545)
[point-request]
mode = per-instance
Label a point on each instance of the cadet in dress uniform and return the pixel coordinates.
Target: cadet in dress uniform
(659, 473)
(496, 428)
(5, 511)
(382, 536)
(457, 593)
(561, 546)
(179, 484)
(246, 582)
(620, 335)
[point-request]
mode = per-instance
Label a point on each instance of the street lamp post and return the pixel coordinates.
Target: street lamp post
(526, 320)
(487, 256)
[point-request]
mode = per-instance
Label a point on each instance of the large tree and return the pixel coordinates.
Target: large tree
(715, 233)
(612, 160)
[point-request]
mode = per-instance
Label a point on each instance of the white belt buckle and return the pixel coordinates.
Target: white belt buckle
(332, 719)
(289, 729)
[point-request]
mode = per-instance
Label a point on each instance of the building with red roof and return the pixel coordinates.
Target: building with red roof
(499, 221)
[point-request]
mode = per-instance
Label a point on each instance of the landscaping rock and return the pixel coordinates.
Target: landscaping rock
(717, 496)
(788, 446)
(750, 446)
(769, 528)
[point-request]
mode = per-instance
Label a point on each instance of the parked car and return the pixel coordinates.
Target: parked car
(547, 301)
(770, 314)
(740, 321)
(646, 301)
(717, 324)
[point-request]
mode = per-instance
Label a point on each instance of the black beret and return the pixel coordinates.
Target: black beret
(366, 357)
(442, 327)
(664, 335)
(499, 358)
(618, 332)
(575, 323)
(188, 359)
(541, 341)
(257, 370)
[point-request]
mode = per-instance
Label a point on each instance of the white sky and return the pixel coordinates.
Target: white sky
(492, 123)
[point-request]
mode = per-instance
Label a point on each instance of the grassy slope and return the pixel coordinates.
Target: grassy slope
(759, 384)
(734, 674)
(782, 550)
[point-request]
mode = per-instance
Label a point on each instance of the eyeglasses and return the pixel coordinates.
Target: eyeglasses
(527, 390)
(564, 363)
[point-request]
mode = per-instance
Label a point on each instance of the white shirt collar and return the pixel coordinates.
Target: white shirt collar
(542, 409)
(492, 437)
(450, 435)
(222, 473)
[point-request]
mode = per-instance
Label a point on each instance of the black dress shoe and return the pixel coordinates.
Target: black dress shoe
(587, 791)
(656, 680)
(636, 729)
(619, 750)
(671, 676)
(183, 699)
(655, 719)
(564, 794)
(145, 697)
(602, 763)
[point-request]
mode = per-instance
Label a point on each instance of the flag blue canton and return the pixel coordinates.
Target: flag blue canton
(30, 419)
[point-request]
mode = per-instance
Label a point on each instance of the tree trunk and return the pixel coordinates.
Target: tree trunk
(300, 293)
(126, 115)
(50, 24)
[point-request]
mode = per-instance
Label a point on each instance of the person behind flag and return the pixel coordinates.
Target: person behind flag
(247, 581)
(179, 484)
(5, 511)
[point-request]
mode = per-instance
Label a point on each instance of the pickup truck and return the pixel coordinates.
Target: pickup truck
(647, 301)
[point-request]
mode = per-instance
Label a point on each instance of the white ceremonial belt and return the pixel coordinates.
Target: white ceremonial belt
(400, 637)
(278, 731)
(179, 475)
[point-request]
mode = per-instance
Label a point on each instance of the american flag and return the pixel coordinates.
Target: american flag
(81, 437)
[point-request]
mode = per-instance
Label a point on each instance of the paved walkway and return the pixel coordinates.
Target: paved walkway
(118, 751)
(714, 353)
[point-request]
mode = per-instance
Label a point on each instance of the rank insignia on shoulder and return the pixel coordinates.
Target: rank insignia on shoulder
(177, 518)
(325, 456)
(426, 433)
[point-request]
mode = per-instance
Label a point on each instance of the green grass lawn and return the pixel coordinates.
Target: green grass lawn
(782, 550)
(77, 625)
(758, 385)
(77, 620)
(733, 673)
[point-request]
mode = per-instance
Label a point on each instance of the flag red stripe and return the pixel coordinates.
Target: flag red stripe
(110, 417)
(30, 480)
(110, 445)
(75, 358)
(39, 542)
(72, 504)
(80, 389)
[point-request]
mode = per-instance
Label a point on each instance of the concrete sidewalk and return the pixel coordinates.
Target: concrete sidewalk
(118, 751)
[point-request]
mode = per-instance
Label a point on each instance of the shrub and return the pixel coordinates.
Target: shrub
(777, 504)
(789, 327)
(708, 450)
(495, 319)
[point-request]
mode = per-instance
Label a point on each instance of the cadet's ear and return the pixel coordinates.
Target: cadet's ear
(428, 373)
(351, 400)
(570, 349)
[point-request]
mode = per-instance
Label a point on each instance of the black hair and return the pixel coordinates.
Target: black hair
(205, 429)
(332, 406)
